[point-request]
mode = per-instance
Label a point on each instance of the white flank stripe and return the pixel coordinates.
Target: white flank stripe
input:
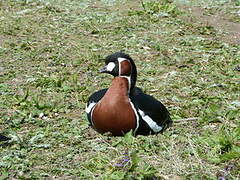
(153, 125)
(89, 107)
(136, 114)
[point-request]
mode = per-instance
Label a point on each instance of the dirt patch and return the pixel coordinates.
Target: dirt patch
(2, 39)
(220, 21)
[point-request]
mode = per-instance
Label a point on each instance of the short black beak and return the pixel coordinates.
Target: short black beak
(103, 70)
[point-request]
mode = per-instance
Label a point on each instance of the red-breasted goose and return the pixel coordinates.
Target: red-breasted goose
(123, 107)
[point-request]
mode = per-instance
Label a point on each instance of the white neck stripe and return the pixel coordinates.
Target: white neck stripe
(121, 59)
(136, 114)
(119, 64)
(129, 82)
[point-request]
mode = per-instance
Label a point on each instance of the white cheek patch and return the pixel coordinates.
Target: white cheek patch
(110, 66)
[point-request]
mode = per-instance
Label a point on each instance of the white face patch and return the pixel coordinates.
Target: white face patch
(110, 66)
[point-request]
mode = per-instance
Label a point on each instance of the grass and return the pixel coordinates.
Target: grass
(49, 61)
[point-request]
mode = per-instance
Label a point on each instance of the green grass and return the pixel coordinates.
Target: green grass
(50, 55)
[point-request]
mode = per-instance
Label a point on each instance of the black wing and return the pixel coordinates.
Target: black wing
(94, 98)
(153, 108)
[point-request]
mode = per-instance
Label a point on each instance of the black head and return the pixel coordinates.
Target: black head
(121, 64)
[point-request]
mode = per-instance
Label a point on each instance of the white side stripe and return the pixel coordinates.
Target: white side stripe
(89, 107)
(153, 125)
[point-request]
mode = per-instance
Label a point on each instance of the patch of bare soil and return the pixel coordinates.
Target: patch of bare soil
(2, 39)
(220, 22)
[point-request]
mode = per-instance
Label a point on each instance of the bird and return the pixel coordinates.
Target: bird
(123, 107)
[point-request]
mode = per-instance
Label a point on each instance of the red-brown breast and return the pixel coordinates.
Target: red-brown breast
(114, 112)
